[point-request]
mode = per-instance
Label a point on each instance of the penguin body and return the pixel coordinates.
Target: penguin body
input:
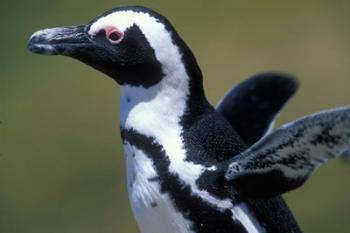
(193, 168)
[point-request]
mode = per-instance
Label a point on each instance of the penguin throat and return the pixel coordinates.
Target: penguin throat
(163, 110)
(155, 110)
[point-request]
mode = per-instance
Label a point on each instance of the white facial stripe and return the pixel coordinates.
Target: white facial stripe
(120, 19)
(154, 31)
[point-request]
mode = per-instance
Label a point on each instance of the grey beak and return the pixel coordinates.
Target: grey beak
(59, 41)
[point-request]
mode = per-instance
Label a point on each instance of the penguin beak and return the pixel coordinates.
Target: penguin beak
(59, 41)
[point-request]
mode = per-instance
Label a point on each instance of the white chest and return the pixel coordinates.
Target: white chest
(154, 211)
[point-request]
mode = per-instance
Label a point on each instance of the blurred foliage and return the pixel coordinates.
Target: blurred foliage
(61, 161)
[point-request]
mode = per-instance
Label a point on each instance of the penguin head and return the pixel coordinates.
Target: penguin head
(134, 45)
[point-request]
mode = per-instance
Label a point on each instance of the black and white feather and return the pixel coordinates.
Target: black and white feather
(286, 158)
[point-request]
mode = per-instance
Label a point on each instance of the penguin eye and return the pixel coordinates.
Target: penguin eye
(114, 35)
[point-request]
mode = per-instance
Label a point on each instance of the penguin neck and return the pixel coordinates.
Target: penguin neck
(159, 111)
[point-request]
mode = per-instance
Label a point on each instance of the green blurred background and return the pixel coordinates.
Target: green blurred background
(61, 161)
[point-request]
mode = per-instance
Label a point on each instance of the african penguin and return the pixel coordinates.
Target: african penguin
(192, 168)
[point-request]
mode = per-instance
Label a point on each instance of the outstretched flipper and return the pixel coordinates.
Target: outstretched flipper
(252, 105)
(285, 159)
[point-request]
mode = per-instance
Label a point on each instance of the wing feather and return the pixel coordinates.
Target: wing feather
(286, 158)
(252, 106)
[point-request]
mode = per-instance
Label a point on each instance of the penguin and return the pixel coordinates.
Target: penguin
(191, 167)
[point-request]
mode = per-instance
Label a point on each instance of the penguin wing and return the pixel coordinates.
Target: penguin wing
(252, 105)
(286, 158)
